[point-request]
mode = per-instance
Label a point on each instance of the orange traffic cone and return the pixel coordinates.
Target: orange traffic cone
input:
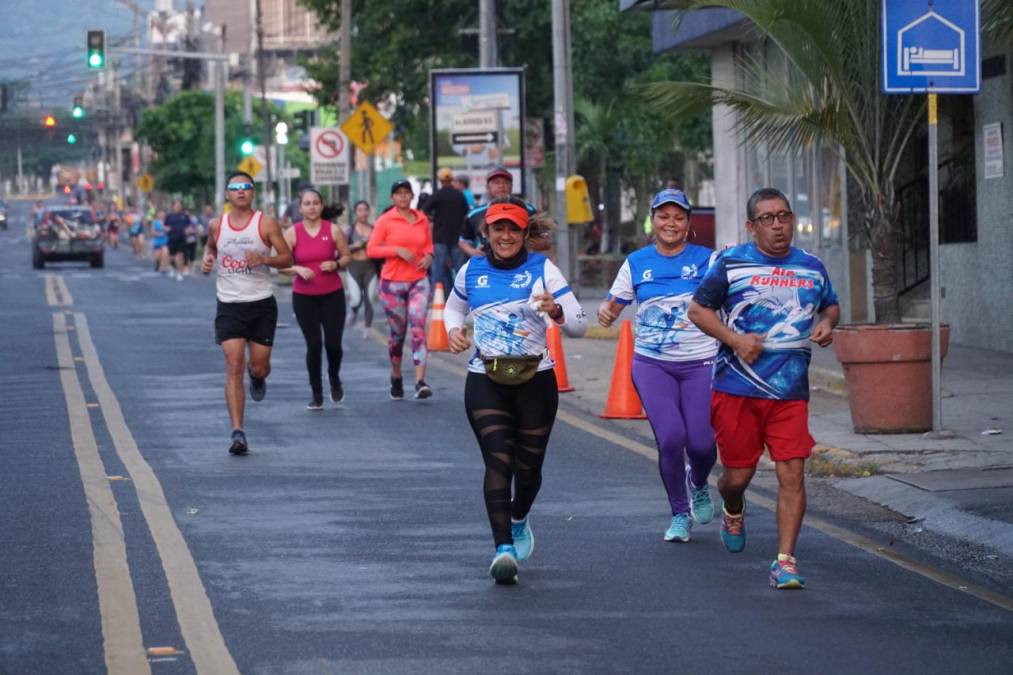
(555, 342)
(436, 340)
(623, 402)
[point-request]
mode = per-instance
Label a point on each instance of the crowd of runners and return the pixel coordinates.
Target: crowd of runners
(722, 342)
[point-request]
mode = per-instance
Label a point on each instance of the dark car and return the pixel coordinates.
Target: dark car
(68, 233)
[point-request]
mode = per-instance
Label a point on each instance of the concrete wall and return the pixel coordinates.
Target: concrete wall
(978, 277)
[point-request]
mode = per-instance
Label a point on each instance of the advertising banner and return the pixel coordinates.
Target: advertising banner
(478, 123)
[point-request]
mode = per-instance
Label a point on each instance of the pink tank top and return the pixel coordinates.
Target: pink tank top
(309, 252)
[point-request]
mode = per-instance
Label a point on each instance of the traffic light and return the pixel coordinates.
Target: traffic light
(49, 122)
(246, 144)
(71, 139)
(281, 133)
(96, 49)
(78, 110)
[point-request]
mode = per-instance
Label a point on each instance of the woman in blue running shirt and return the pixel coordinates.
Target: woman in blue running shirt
(511, 395)
(672, 360)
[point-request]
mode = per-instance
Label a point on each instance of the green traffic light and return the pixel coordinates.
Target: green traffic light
(71, 139)
(246, 148)
(78, 112)
(95, 60)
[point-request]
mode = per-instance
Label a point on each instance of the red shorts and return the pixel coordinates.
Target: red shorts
(743, 426)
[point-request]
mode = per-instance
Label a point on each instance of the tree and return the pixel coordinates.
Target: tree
(181, 131)
(829, 93)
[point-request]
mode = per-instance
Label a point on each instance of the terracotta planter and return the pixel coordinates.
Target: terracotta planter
(888, 372)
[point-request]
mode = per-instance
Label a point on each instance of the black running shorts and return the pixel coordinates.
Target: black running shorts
(177, 246)
(254, 321)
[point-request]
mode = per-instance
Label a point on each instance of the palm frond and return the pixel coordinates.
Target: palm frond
(997, 21)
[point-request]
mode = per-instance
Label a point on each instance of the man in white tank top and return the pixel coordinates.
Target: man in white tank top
(241, 242)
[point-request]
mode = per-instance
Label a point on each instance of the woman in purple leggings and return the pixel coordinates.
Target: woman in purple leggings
(673, 359)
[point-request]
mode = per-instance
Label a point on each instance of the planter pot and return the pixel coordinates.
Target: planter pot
(888, 373)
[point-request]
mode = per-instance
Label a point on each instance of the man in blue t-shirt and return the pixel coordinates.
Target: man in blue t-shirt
(775, 299)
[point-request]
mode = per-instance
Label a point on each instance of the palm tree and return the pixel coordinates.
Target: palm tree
(830, 94)
(596, 141)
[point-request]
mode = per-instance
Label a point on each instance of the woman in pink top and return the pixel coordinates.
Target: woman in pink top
(319, 248)
(403, 237)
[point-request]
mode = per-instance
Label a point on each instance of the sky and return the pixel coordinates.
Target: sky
(43, 41)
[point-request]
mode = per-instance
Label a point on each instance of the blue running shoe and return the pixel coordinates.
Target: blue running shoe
(524, 539)
(700, 504)
(504, 565)
(784, 573)
(679, 529)
(733, 529)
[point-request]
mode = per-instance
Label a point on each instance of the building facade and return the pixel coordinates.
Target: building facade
(976, 201)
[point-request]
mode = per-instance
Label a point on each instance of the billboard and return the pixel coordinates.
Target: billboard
(477, 123)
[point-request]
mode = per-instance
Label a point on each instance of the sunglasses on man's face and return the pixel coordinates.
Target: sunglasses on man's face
(236, 187)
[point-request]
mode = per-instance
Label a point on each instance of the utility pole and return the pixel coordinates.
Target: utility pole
(345, 81)
(563, 123)
(219, 70)
(265, 111)
(117, 131)
(248, 76)
(487, 56)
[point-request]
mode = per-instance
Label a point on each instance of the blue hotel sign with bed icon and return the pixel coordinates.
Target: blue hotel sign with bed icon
(931, 46)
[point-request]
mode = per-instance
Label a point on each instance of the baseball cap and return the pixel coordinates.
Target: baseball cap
(671, 196)
(499, 172)
(517, 215)
(444, 175)
(398, 184)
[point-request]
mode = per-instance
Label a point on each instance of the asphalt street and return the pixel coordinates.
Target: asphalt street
(354, 540)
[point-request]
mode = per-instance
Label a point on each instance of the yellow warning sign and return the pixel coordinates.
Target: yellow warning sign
(251, 166)
(366, 127)
(145, 182)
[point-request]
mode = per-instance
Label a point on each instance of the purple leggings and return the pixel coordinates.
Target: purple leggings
(406, 303)
(677, 396)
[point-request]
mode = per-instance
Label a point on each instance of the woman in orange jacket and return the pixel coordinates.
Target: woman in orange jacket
(404, 238)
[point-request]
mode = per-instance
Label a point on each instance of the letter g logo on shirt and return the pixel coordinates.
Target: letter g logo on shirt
(482, 281)
(647, 275)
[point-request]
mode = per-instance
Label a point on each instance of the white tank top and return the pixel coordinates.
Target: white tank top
(238, 282)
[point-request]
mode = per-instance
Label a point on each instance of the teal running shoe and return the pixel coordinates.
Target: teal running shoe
(504, 565)
(733, 529)
(679, 529)
(784, 573)
(700, 504)
(524, 539)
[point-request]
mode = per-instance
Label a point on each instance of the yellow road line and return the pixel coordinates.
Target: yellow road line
(860, 541)
(121, 624)
(197, 621)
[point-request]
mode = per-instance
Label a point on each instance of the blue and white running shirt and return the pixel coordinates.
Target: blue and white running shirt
(663, 286)
(779, 298)
(506, 323)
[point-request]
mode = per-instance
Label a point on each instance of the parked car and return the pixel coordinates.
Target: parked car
(68, 233)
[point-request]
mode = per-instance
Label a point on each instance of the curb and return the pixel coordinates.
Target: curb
(829, 381)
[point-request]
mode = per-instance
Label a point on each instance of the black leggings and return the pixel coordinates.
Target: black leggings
(313, 313)
(512, 425)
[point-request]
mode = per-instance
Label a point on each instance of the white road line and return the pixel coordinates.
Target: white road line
(196, 617)
(121, 624)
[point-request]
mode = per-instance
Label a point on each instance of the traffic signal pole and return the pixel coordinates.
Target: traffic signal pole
(562, 85)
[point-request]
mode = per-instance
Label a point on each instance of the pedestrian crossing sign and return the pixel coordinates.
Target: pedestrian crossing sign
(251, 166)
(366, 127)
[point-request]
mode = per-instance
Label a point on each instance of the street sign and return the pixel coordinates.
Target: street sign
(474, 122)
(930, 46)
(366, 127)
(291, 172)
(251, 166)
(145, 183)
(465, 139)
(329, 155)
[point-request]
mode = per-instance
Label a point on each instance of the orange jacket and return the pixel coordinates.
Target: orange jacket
(391, 231)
